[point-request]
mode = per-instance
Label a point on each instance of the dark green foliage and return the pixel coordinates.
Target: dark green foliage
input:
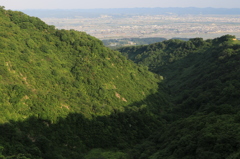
(203, 81)
(65, 95)
(75, 135)
(163, 53)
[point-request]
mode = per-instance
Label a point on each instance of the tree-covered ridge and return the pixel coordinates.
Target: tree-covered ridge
(45, 69)
(194, 69)
(203, 84)
(162, 53)
(63, 93)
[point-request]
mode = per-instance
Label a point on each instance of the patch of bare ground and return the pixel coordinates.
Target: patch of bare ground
(8, 64)
(119, 96)
(65, 106)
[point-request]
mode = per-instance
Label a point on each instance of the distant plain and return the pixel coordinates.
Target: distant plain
(146, 22)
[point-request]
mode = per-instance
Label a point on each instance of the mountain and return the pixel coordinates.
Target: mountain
(63, 93)
(202, 77)
(193, 67)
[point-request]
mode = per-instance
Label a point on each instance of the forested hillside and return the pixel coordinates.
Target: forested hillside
(203, 83)
(65, 95)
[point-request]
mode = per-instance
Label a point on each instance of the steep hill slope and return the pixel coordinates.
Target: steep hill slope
(41, 65)
(196, 72)
(203, 82)
(63, 93)
(163, 53)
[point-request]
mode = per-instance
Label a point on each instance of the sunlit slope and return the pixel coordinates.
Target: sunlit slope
(49, 73)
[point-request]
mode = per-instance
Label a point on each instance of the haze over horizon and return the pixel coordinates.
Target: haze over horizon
(94, 4)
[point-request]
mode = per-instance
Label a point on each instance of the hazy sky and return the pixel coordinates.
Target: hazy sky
(88, 4)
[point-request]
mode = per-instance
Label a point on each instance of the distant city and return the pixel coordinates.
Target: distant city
(117, 24)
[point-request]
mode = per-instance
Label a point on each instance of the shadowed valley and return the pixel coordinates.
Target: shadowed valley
(65, 95)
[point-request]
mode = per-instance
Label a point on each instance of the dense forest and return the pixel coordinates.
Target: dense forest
(202, 80)
(65, 95)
